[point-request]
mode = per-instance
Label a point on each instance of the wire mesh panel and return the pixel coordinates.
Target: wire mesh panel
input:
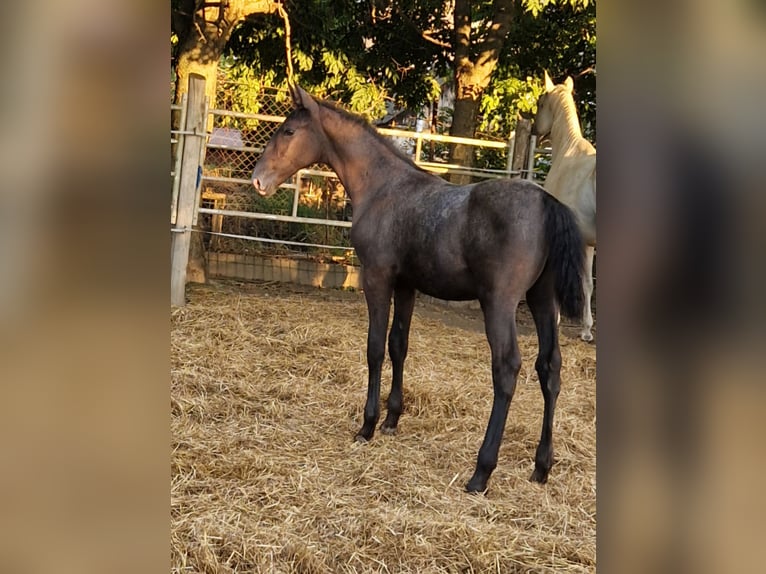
(297, 219)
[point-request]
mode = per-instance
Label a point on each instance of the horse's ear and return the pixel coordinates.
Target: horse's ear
(548, 82)
(294, 94)
(569, 83)
(302, 99)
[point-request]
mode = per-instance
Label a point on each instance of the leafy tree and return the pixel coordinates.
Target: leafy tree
(200, 31)
(559, 38)
(480, 29)
(486, 33)
(357, 53)
(361, 53)
(364, 53)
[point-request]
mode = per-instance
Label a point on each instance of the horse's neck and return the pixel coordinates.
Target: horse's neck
(363, 163)
(566, 132)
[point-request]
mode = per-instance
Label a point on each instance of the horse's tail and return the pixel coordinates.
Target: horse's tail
(566, 256)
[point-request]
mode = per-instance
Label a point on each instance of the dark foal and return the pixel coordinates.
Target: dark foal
(497, 241)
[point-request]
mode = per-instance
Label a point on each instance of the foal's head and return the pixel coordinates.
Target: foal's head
(544, 118)
(296, 144)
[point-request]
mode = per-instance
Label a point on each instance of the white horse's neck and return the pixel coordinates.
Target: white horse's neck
(566, 131)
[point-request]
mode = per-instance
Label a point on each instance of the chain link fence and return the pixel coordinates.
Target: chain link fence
(297, 220)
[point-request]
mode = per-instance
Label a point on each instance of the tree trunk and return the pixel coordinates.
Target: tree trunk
(203, 44)
(472, 75)
(467, 100)
(188, 63)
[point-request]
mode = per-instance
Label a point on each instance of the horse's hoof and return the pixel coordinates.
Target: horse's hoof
(475, 486)
(539, 476)
(386, 430)
(361, 438)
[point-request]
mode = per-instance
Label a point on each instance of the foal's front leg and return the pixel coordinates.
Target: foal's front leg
(377, 292)
(398, 342)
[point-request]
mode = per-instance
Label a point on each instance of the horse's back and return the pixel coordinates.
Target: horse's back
(505, 207)
(453, 242)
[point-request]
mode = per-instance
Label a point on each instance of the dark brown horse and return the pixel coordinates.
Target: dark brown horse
(497, 241)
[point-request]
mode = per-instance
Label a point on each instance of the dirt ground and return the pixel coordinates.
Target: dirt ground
(268, 388)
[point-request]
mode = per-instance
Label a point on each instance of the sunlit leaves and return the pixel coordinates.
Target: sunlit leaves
(341, 52)
(535, 7)
(334, 64)
(504, 100)
(302, 61)
(239, 89)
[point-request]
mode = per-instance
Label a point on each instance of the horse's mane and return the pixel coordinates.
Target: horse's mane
(566, 107)
(370, 129)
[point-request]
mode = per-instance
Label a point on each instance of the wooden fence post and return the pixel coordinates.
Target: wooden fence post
(194, 140)
(521, 147)
(509, 158)
(531, 158)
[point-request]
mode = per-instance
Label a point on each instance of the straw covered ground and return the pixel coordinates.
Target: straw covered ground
(268, 386)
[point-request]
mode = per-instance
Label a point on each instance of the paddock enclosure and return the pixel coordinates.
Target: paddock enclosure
(268, 388)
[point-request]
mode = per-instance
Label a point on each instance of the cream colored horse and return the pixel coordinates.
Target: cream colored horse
(572, 177)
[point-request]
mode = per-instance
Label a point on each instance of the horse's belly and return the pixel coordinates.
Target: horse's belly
(449, 293)
(450, 285)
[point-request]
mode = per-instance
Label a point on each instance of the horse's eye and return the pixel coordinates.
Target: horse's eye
(289, 132)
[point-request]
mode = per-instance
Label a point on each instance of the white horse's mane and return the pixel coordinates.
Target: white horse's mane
(564, 114)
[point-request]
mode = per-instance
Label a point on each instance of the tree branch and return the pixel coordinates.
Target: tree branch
(428, 38)
(588, 70)
(245, 7)
(425, 34)
(288, 48)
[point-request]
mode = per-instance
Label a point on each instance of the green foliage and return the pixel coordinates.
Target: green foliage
(351, 53)
(559, 37)
(364, 54)
(561, 40)
(246, 97)
(504, 100)
(346, 83)
(536, 7)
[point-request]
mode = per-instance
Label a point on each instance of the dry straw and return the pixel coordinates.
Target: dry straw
(268, 385)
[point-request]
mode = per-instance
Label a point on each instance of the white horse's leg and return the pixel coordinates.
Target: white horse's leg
(587, 281)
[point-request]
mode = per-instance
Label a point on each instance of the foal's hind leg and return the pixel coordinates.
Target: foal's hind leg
(398, 339)
(541, 303)
(500, 324)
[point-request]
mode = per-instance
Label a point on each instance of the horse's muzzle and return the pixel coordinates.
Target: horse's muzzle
(262, 191)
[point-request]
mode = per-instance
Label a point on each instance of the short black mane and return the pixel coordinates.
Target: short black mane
(360, 121)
